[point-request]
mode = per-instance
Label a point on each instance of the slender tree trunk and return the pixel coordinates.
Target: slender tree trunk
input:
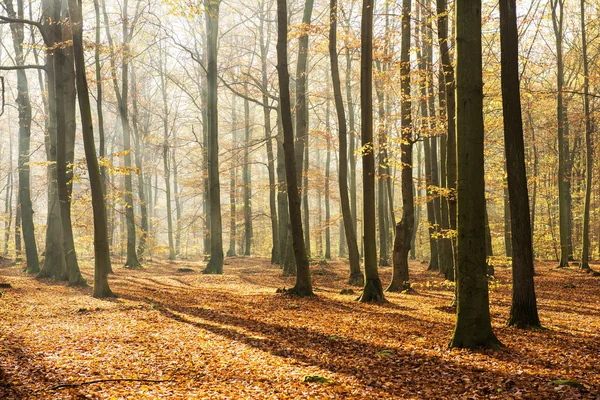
(247, 182)
(373, 291)
(24, 105)
(327, 174)
(139, 141)
(303, 286)
(557, 23)
(265, 39)
(448, 70)
(287, 258)
(507, 224)
(176, 195)
(589, 151)
(351, 147)
(232, 181)
(473, 323)
(381, 175)
(405, 228)
(123, 104)
(215, 265)
(101, 250)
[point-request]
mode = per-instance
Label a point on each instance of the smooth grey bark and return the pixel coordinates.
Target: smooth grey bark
(265, 40)
(64, 97)
(231, 252)
(327, 177)
(139, 135)
(247, 175)
(473, 323)
(215, 265)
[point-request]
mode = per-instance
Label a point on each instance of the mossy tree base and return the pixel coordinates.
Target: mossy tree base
(373, 292)
(32, 269)
(398, 286)
(563, 264)
(213, 268)
(356, 280)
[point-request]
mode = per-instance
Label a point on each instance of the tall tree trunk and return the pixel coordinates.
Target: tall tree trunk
(351, 156)
(233, 181)
(303, 286)
(287, 262)
(139, 141)
(54, 261)
(165, 154)
(507, 222)
(589, 151)
(557, 23)
(448, 69)
(381, 174)
(123, 104)
(215, 265)
(523, 312)
(101, 250)
(176, 194)
(445, 245)
(405, 228)
(64, 98)
(99, 98)
(247, 182)
(373, 291)
(473, 323)
(327, 174)
(24, 105)
(265, 40)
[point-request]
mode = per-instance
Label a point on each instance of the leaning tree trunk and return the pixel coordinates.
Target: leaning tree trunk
(473, 324)
(24, 105)
(101, 250)
(405, 228)
(303, 286)
(373, 291)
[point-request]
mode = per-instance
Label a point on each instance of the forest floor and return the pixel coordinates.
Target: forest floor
(184, 335)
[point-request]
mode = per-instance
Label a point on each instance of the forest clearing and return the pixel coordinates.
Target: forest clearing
(231, 336)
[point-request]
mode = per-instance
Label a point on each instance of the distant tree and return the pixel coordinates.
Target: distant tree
(473, 323)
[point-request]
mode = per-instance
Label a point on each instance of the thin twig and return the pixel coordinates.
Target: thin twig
(67, 385)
